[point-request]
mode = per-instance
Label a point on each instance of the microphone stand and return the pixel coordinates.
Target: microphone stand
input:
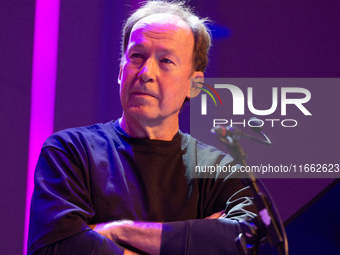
(268, 224)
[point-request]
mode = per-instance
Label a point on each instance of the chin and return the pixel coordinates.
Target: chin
(141, 113)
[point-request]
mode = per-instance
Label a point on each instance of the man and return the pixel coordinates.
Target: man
(124, 187)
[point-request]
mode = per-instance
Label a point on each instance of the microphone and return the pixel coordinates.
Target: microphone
(222, 131)
(229, 133)
(268, 223)
(255, 124)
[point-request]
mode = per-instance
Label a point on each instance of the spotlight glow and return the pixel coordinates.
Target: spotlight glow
(44, 71)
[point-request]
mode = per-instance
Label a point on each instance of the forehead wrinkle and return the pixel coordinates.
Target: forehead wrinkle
(139, 45)
(160, 48)
(167, 46)
(167, 33)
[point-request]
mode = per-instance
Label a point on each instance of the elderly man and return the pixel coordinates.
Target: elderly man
(125, 186)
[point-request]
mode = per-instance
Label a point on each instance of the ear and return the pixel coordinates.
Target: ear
(195, 85)
(120, 74)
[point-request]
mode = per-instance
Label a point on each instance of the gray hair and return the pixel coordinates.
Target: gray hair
(202, 37)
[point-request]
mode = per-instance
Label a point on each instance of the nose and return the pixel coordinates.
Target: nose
(148, 71)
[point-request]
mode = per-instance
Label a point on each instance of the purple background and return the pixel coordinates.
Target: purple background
(268, 39)
(291, 146)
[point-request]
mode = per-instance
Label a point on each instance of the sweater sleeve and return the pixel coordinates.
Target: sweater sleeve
(86, 242)
(61, 208)
(211, 236)
(215, 236)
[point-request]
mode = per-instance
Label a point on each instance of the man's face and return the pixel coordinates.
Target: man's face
(156, 68)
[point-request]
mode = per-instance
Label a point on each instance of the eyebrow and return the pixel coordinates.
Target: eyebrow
(136, 46)
(142, 47)
(165, 51)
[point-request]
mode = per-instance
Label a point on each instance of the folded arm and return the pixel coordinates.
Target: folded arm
(62, 208)
(212, 234)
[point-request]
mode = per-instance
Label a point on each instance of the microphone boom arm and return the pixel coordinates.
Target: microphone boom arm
(268, 224)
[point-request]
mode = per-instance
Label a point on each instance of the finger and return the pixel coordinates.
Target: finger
(215, 215)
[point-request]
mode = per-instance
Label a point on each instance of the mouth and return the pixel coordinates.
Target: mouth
(142, 94)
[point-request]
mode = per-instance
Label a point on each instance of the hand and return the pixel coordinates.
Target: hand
(144, 236)
(128, 252)
(112, 230)
(92, 226)
(217, 215)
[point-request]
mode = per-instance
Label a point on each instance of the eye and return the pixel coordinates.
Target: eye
(136, 55)
(166, 60)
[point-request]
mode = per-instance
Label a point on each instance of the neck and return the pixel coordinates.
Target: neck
(157, 130)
